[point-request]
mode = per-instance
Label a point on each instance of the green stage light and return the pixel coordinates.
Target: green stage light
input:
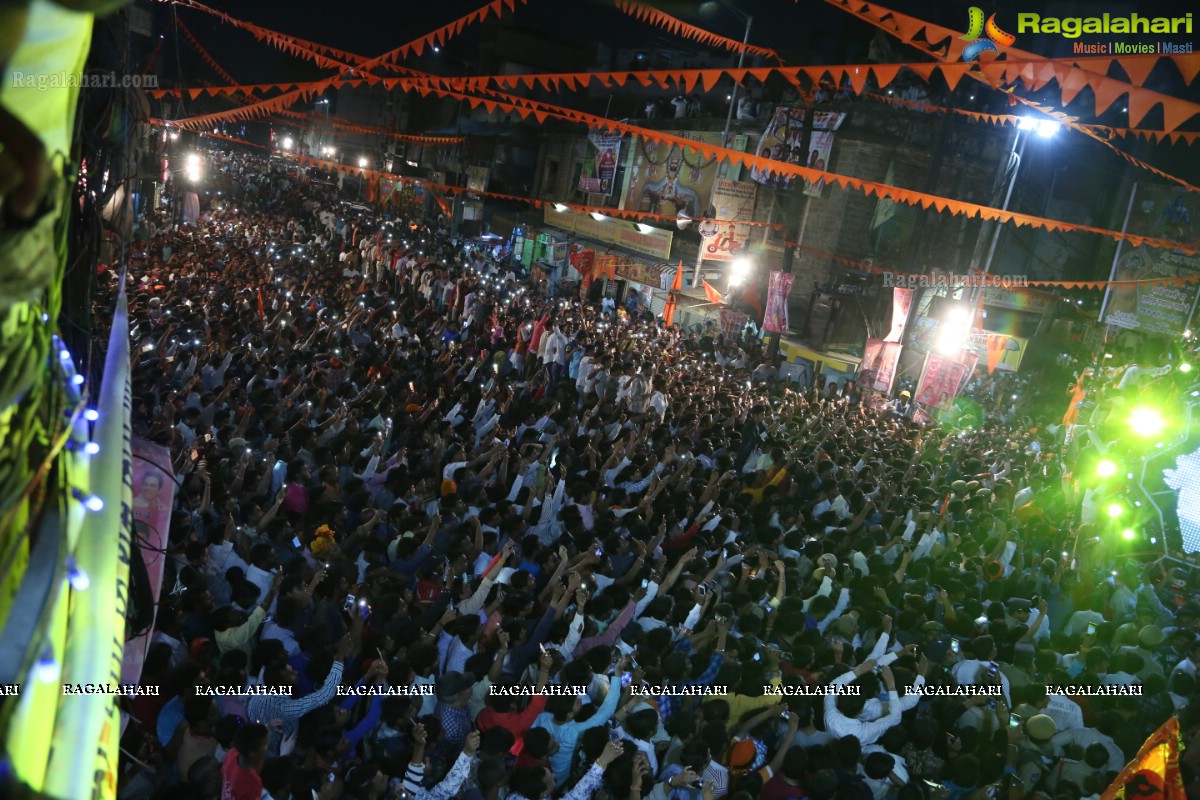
(1115, 510)
(1106, 468)
(1128, 534)
(1146, 421)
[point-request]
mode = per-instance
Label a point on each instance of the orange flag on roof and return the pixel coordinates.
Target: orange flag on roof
(712, 294)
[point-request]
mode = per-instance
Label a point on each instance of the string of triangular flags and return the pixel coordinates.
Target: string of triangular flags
(1145, 63)
(542, 111)
(661, 19)
(1072, 75)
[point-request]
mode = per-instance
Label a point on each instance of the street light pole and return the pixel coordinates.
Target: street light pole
(724, 140)
(733, 95)
(1015, 157)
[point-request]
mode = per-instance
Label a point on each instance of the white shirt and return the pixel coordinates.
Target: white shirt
(839, 725)
(1065, 712)
(971, 671)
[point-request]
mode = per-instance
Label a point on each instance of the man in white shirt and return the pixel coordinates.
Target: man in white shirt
(842, 710)
(978, 670)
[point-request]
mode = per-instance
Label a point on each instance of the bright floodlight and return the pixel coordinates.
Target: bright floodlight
(683, 221)
(1185, 367)
(287, 143)
(596, 215)
(738, 271)
(560, 207)
(1027, 123)
(362, 162)
(1047, 128)
(1106, 468)
(1128, 534)
(952, 332)
(1115, 510)
(1146, 421)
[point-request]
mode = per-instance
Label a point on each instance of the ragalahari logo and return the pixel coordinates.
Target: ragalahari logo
(994, 40)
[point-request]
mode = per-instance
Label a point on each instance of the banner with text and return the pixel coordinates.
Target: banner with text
(879, 363)
(732, 201)
(776, 318)
(1168, 213)
(601, 165)
(654, 242)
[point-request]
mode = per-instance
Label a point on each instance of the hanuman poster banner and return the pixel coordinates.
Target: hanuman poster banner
(670, 179)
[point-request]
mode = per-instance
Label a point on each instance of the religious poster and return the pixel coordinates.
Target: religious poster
(783, 140)
(878, 369)
(600, 166)
(939, 382)
(670, 179)
(901, 304)
(732, 203)
(776, 318)
(1166, 213)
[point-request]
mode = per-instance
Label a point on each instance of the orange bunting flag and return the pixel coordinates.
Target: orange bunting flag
(712, 294)
(997, 346)
(262, 314)
(1154, 772)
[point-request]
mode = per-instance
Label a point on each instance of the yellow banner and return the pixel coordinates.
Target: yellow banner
(653, 242)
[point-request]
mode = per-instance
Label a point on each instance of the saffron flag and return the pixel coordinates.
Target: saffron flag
(1078, 392)
(262, 314)
(753, 298)
(673, 297)
(712, 294)
(997, 346)
(1154, 771)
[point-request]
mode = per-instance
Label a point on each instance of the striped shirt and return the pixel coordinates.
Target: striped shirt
(267, 708)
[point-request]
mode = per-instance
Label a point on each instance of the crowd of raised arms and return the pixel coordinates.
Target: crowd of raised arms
(518, 519)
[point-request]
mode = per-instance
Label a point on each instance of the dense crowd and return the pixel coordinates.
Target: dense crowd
(401, 466)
